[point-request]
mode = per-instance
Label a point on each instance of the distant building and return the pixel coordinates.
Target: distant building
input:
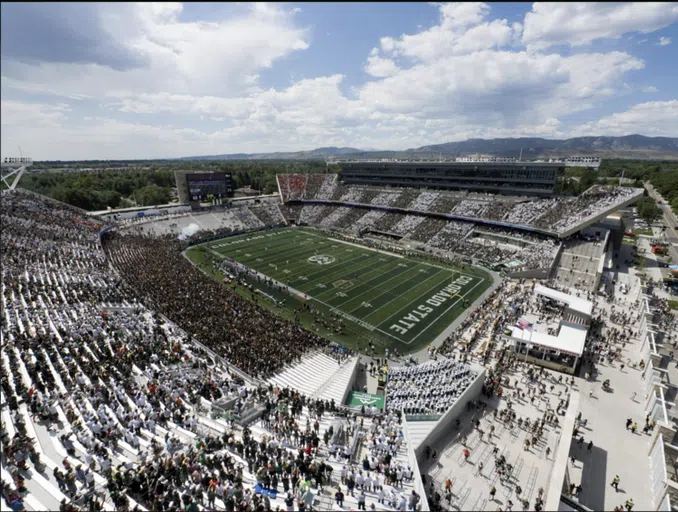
(195, 187)
(14, 161)
(555, 344)
(524, 178)
(486, 158)
(246, 192)
(579, 161)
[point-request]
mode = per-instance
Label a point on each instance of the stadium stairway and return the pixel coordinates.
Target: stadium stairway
(418, 430)
(308, 375)
(335, 387)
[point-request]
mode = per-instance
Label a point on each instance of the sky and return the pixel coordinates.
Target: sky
(164, 80)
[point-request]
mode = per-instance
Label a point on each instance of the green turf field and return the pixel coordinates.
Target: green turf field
(391, 300)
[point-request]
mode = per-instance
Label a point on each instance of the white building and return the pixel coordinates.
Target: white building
(554, 344)
(579, 161)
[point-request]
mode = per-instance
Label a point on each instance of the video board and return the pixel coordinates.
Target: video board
(206, 186)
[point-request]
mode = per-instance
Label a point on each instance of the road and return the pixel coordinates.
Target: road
(667, 215)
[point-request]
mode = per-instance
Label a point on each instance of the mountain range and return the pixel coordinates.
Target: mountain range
(629, 146)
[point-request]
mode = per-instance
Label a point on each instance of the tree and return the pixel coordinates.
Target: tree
(648, 210)
(152, 195)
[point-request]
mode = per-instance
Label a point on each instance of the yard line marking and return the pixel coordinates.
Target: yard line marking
(412, 302)
(370, 280)
(358, 245)
(372, 288)
(398, 296)
(455, 303)
(362, 323)
(327, 274)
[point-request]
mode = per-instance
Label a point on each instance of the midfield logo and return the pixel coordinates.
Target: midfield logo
(321, 259)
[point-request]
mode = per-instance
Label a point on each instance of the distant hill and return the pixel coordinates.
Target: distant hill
(629, 146)
(533, 147)
(315, 154)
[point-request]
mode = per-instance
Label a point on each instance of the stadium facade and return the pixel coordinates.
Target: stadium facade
(516, 178)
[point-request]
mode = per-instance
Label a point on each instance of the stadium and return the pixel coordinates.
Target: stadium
(379, 338)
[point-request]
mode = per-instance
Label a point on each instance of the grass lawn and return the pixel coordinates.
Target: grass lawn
(673, 304)
(394, 301)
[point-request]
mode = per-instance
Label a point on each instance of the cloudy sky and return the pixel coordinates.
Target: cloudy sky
(124, 80)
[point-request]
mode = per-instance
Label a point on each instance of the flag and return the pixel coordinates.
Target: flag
(522, 324)
(529, 327)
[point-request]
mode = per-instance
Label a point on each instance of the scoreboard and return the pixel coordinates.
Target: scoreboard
(207, 186)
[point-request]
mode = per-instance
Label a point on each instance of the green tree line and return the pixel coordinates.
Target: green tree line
(663, 175)
(149, 183)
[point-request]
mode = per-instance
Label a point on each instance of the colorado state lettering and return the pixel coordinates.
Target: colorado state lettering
(413, 317)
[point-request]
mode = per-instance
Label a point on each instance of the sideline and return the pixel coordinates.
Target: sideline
(299, 294)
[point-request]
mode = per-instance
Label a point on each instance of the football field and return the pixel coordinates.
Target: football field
(400, 301)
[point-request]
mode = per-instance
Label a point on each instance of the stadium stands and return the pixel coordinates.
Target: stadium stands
(127, 372)
(451, 234)
(104, 400)
(368, 220)
(312, 214)
(559, 214)
(429, 388)
(427, 229)
(290, 211)
(268, 214)
(407, 224)
(388, 221)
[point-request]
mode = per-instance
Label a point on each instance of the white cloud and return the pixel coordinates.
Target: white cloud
(467, 76)
(579, 23)
(380, 67)
(658, 118)
(216, 57)
(461, 30)
(650, 88)
(17, 114)
(664, 41)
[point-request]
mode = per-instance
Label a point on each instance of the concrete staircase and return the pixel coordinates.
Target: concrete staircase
(309, 375)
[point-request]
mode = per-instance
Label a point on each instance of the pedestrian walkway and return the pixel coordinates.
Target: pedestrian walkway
(473, 477)
(615, 450)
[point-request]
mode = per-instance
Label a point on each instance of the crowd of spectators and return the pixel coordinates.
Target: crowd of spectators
(337, 214)
(312, 213)
(292, 186)
(385, 199)
(368, 195)
(246, 334)
(268, 214)
(594, 200)
(291, 211)
(496, 210)
(350, 219)
(339, 191)
(407, 224)
(314, 184)
(451, 234)
(428, 388)
(127, 393)
(424, 201)
(405, 198)
(523, 213)
(352, 195)
(427, 229)
(445, 203)
(488, 251)
(328, 185)
(553, 214)
(468, 208)
(539, 255)
(368, 220)
(388, 221)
